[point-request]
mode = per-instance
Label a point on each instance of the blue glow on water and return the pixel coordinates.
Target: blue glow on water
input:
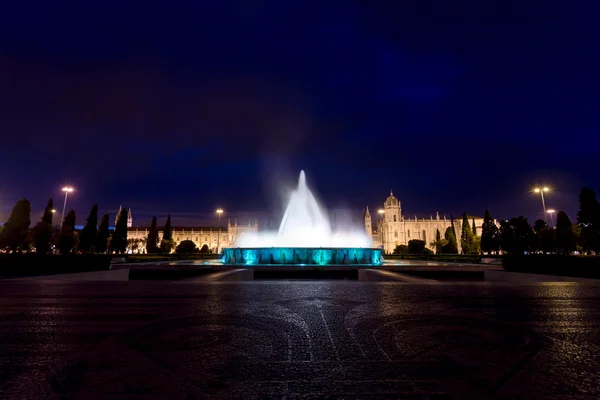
(302, 256)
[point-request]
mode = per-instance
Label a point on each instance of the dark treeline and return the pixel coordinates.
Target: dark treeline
(517, 236)
(513, 236)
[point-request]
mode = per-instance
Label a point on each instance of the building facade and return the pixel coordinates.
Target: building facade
(215, 239)
(393, 229)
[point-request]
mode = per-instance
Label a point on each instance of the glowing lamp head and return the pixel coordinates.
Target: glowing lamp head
(380, 211)
(53, 211)
(67, 189)
(545, 189)
(551, 211)
(219, 211)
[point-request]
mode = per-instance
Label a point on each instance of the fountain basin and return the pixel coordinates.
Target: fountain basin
(301, 256)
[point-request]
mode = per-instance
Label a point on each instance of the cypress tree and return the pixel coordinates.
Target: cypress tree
(103, 234)
(474, 228)
(565, 237)
(118, 243)
(466, 236)
(451, 246)
(167, 244)
(66, 239)
(490, 235)
(88, 233)
(42, 232)
(16, 229)
(438, 244)
(152, 241)
(588, 219)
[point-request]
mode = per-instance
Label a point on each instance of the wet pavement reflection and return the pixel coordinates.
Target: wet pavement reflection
(156, 340)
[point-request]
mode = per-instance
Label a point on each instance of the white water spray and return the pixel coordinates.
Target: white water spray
(305, 224)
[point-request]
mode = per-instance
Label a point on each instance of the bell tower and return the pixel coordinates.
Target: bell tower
(367, 221)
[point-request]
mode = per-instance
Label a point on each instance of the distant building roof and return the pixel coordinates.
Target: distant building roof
(180, 228)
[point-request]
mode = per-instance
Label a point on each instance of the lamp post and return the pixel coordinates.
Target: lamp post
(381, 212)
(219, 212)
(67, 190)
(541, 192)
(551, 212)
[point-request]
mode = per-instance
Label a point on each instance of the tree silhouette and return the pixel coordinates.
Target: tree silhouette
(544, 239)
(118, 243)
(466, 236)
(16, 228)
(565, 237)
(103, 234)
(588, 219)
(187, 246)
(152, 240)
(66, 239)
(89, 231)
(167, 243)
(490, 235)
(516, 235)
(42, 231)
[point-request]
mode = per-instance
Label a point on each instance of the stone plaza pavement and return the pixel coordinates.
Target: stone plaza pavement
(288, 340)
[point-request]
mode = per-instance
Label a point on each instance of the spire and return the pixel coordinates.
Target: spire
(391, 192)
(129, 218)
(437, 215)
(367, 214)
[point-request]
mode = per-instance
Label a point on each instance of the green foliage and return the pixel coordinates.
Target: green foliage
(565, 237)
(401, 249)
(42, 231)
(490, 235)
(152, 240)
(474, 228)
(102, 235)
(186, 247)
(16, 229)
(466, 236)
(89, 231)
(451, 246)
(416, 246)
(439, 243)
(167, 243)
(588, 219)
(66, 238)
(205, 249)
(516, 235)
(118, 243)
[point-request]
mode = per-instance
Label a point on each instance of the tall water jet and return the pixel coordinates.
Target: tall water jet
(304, 237)
(303, 220)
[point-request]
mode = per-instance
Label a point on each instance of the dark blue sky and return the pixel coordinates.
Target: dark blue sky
(183, 106)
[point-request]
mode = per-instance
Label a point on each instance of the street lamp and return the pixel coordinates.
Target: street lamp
(219, 212)
(381, 211)
(551, 212)
(67, 190)
(541, 192)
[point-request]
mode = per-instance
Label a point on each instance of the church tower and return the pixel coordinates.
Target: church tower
(129, 219)
(367, 220)
(392, 233)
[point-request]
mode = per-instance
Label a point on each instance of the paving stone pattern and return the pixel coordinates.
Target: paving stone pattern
(298, 340)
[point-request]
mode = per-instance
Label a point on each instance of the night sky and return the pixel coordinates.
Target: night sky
(185, 106)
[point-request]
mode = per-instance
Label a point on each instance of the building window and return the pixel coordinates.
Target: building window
(196, 238)
(206, 238)
(394, 218)
(409, 233)
(215, 238)
(424, 236)
(395, 233)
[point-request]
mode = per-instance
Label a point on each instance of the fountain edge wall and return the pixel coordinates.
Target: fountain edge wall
(302, 256)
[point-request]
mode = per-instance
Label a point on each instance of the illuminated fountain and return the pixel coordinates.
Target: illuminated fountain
(305, 237)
